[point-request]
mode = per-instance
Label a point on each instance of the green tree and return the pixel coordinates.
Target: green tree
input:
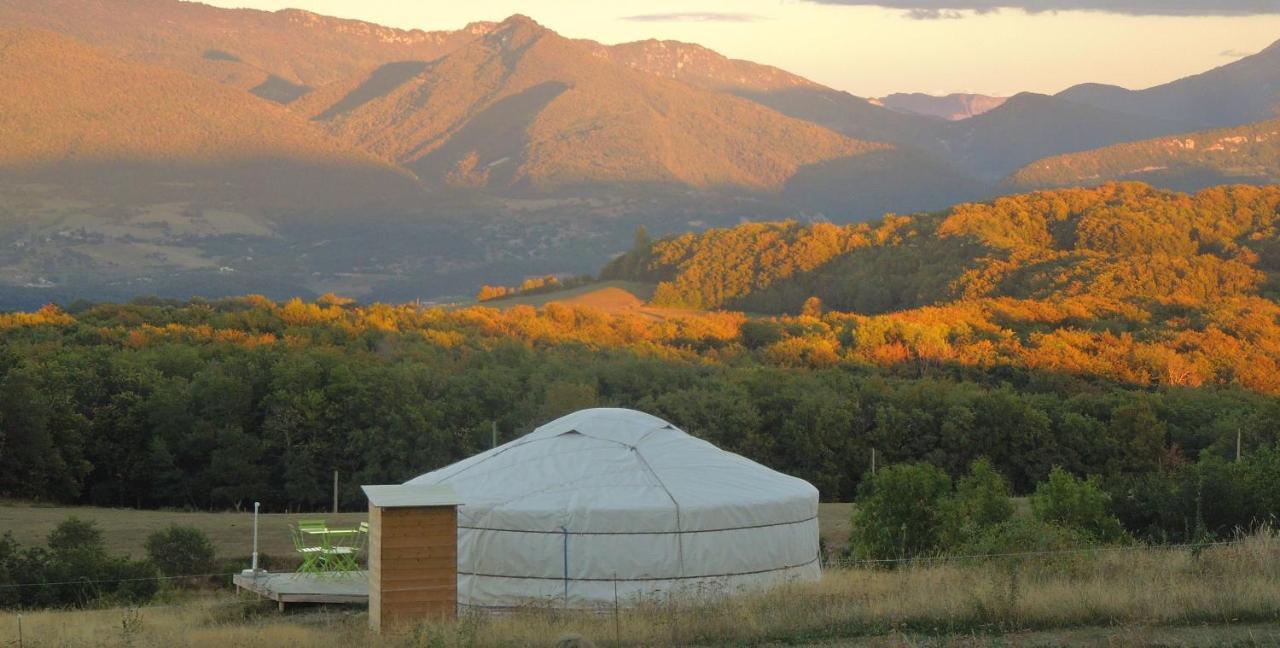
(1076, 504)
(180, 551)
(981, 501)
(74, 535)
(899, 512)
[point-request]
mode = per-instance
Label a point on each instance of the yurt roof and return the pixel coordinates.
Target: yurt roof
(614, 471)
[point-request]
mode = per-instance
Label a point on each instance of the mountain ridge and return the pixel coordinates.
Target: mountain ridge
(525, 107)
(1252, 83)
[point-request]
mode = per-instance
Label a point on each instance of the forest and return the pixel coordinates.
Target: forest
(1121, 332)
(212, 405)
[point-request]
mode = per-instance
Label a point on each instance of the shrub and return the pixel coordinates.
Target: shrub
(74, 535)
(1212, 498)
(1019, 535)
(74, 570)
(981, 501)
(181, 550)
(760, 333)
(899, 512)
(1076, 504)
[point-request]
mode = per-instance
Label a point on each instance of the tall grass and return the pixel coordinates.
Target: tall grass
(1220, 585)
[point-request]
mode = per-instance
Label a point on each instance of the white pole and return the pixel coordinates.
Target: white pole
(255, 536)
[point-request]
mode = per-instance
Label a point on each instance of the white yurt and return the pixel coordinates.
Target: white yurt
(606, 498)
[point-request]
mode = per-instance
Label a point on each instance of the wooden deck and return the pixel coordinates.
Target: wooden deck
(289, 587)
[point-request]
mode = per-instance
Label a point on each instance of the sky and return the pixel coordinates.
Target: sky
(875, 47)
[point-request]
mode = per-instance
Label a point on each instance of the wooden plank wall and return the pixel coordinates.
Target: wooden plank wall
(413, 563)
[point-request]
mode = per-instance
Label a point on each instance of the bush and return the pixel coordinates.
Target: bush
(181, 551)
(74, 535)
(1212, 498)
(1020, 535)
(760, 333)
(1076, 504)
(74, 570)
(899, 512)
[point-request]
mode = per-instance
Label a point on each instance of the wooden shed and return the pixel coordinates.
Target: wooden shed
(413, 553)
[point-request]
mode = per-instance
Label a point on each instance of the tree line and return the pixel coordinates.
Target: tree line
(213, 405)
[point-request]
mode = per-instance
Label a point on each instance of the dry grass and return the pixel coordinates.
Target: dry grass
(1226, 595)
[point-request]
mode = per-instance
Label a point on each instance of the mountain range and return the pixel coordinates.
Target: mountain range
(952, 107)
(166, 146)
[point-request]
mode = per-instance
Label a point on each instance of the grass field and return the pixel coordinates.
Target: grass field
(125, 530)
(1222, 596)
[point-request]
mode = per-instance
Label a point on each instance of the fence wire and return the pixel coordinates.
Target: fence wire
(828, 562)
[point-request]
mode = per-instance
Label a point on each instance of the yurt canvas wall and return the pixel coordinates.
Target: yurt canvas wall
(612, 497)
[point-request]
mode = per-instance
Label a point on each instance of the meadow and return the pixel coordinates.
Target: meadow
(1219, 595)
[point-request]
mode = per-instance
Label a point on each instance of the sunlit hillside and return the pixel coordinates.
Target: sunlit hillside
(1188, 161)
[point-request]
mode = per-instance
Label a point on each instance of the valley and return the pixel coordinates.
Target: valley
(490, 152)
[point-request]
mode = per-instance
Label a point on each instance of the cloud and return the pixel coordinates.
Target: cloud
(1235, 53)
(934, 14)
(932, 9)
(696, 16)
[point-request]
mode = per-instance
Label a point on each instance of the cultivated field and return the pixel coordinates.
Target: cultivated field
(1221, 596)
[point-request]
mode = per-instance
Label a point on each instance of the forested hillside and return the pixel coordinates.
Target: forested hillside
(1124, 281)
(218, 404)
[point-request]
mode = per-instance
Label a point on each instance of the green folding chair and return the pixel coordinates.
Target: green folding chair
(343, 552)
(312, 525)
(312, 556)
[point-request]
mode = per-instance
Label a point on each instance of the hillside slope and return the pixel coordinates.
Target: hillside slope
(77, 115)
(523, 108)
(1029, 126)
(1188, 161)
(1120, 246)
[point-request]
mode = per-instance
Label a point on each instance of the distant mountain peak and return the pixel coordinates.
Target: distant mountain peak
(517, 32)
(519, 19)
(952, 107)
(697, 65)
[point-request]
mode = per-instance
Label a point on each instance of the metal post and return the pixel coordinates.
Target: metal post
(335, 491)
(617, 632)
(256, 505)
(1237, 444)
(565, 531)
(493, 434)
(19, 631)
(873, 462)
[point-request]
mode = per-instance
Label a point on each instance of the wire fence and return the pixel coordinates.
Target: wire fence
(830, 561)
(101, 581)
